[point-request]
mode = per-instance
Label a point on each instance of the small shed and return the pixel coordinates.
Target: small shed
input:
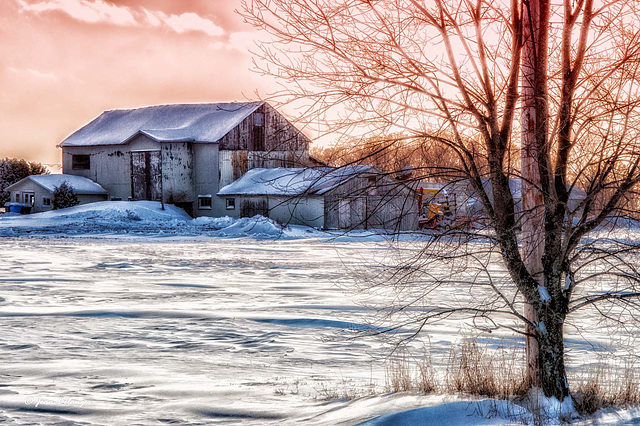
(352, 197)
(37, 190)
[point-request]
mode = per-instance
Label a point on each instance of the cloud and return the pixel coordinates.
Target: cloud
(190, 22)
(100, 11)
(33, 73)
(83, 10)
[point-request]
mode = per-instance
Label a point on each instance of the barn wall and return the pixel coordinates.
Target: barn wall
(110, 167)
(275, 134)
(177, 173)
(205, 177)
(371, 201)
(277, 143)
(307, 211)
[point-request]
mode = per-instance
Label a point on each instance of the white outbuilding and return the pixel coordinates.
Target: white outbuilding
(350, 197)
(36, 191)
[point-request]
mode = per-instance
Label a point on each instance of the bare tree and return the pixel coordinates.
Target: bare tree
(483, 78)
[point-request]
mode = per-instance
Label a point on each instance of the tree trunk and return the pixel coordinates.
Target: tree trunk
(551, 373)
(532, 215)
(545, 345)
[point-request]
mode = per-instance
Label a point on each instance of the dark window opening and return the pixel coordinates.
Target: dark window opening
(46, 201)
(258, 131)
(204, 202)
(231, 203)
(80, 162)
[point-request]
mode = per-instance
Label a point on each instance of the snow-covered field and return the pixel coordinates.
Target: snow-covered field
(121, 313)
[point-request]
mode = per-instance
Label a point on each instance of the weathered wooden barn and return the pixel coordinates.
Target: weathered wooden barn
(352, 197)
(183, 154)
(37, 191)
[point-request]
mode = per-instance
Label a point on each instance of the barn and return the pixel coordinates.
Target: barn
(37, 191)
(183, 154)
(351, 197)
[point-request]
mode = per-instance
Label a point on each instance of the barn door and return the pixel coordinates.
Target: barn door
(344, 213)
(146, 175)
(352, 213)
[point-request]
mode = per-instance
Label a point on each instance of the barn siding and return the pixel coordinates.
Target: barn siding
(304, 210)
(371, 201)
(110, 167)
(205, 175)
(275, 134)
(177, 173)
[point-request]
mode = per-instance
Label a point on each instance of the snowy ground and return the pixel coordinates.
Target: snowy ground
(124, 314)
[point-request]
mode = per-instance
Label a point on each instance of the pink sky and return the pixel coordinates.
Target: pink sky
(63, 62)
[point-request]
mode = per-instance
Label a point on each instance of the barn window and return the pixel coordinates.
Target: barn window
(231, 203)
(17, 198)
(46, 201)
(204, 202)
(80, 162)
(258, 131)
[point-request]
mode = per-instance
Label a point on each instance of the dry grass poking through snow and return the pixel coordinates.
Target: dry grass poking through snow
(477, 371)
(473, 369)
(607, 385)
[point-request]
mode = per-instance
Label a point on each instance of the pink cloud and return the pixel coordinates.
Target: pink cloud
(100, 11)
(190, 22)
(83, 10)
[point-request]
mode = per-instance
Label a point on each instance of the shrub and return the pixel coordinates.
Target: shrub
(63, 196)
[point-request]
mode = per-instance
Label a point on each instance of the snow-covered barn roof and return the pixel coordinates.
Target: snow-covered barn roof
(292, 181)
(163, 123)
(81, 185)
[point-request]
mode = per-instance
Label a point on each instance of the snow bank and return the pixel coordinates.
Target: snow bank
(97, 217)
(147, 217)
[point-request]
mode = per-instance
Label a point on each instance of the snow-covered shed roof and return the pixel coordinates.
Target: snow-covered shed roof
(163, 123)
(292, 181)
(81, 185)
